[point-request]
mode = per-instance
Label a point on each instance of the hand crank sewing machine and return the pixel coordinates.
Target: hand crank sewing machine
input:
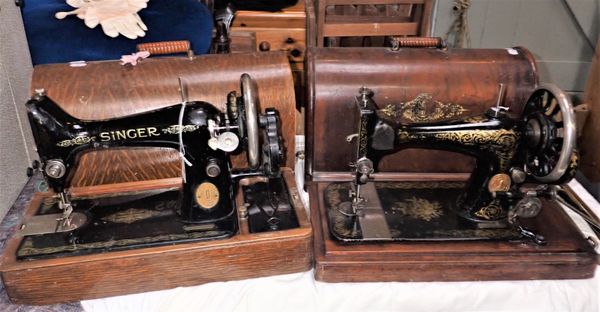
(446, 160)
(538, 148)
(205, 206)
(117, 218)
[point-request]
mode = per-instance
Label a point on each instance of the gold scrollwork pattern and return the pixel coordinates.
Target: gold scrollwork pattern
(492, 211)
(419, 208)
(27, 248)
(501, 142)
(176, 129)
(76, 141)
(424, 108)
(132, 215)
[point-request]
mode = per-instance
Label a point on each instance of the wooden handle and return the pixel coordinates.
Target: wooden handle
(418, 42)
(165, 47)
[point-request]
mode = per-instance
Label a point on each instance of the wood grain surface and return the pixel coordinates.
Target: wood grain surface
(105, 90)
(468, 78)
(76, 278)
(567, 255)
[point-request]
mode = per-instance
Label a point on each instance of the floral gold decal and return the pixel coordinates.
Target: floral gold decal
(419, 208)
(424, 109)
(176, 129)
(80, 140)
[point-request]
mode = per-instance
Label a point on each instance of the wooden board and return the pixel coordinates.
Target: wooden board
(567, 255)
(76, 278)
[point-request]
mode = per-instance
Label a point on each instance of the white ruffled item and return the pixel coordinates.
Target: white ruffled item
(115, 16)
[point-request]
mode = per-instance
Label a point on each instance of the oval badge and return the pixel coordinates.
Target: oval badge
(207, 195)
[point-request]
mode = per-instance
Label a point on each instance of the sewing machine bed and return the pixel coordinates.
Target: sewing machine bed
(129, 250)
(566, 256)
(150, 219)
(413, 210)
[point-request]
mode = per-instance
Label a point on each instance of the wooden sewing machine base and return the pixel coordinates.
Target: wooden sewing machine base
(102, 274)
(567, 254)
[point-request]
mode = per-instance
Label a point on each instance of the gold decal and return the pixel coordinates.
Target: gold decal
(207, 195)
(126, 134)
(423, 108)
(120, 135)
(76, 141)
(104, 136)
(419, 208)
(175, 129)
(152, 131)
(501, 142)
(493, 211)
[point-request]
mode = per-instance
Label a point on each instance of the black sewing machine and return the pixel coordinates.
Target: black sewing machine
(518, 160)
(203, 209)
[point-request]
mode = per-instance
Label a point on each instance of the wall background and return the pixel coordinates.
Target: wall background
(561, 34)
(16, 142)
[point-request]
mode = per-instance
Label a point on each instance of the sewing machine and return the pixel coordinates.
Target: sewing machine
(446, 160)
(197, 191)
(204, 136)
(517, 162)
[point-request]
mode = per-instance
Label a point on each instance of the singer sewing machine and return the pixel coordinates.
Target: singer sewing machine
(204, 207)
(417, 120)
(215, 199)
(517, 162)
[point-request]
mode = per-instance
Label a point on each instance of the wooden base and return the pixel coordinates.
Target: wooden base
(75, 278)
(566, 256)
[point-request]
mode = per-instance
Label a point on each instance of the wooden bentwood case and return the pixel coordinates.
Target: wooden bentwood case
(103, 90)
(459, 83)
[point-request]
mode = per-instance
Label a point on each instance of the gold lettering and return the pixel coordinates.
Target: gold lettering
(153, 131)
(141, 132)
(104, 136)
(130, 135)
(120, 135)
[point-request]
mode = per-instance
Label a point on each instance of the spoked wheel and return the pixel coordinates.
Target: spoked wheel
(550, 135)
(250, 119)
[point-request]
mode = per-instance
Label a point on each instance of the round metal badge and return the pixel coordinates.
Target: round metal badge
(207, 195)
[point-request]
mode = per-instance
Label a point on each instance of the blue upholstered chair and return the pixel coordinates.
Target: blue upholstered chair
(58, 41)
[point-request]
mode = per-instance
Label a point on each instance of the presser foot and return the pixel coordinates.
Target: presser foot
(66, 221)
(51, 223)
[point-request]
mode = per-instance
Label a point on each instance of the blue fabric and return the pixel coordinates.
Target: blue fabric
(58, 41)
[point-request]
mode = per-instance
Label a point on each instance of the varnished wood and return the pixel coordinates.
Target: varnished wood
(292, 17)
(280, 31)
(104, 90)
(281, 39)
(589, 147)
(466, 77)
(165, 47)
(370, 29)
(123, 272)
(567, 255)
